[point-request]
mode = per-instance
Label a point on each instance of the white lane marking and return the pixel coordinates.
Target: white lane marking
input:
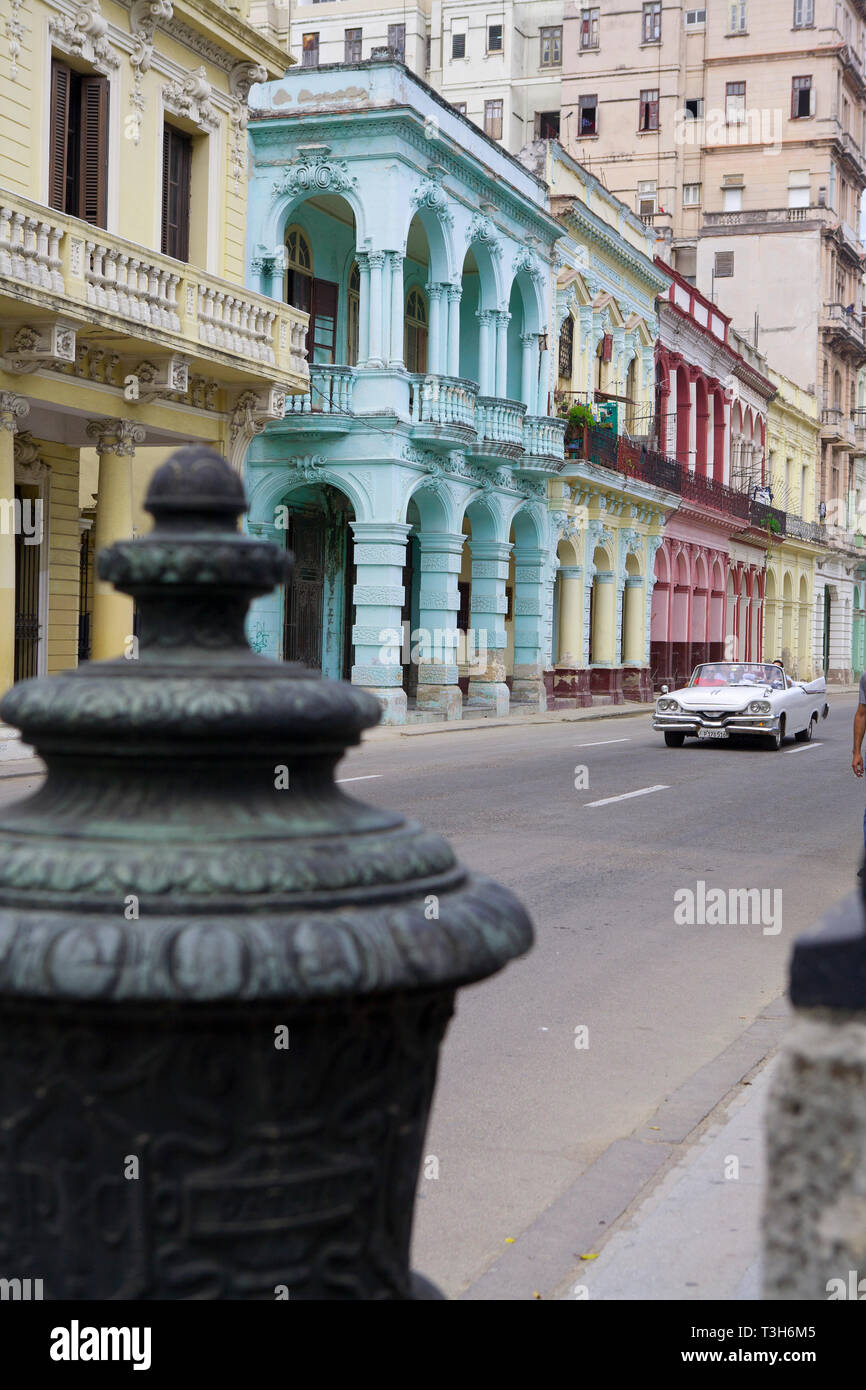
(642, 791)
(602, 741)
(806, 747)
(368, 777)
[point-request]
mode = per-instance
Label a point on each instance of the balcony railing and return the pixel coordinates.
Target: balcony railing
(801, 530)
(770, 216)
(331, 391)
(840, 319)
(90, 273)
(544, 436)
(442, 400)
(499, 421)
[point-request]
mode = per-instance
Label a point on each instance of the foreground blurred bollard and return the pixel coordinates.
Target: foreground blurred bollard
(221, 997)
(815, 1204)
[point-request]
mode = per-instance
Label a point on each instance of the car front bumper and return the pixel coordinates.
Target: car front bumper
(691, 722)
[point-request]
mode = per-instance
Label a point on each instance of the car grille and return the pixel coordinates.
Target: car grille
(714, 716)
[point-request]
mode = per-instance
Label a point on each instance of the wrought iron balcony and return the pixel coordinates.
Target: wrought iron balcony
(64, 269)
(609, 450)
(798, 529)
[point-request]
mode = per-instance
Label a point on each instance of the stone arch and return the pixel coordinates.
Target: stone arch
(284, 209)
(268, 492)
(442, 267)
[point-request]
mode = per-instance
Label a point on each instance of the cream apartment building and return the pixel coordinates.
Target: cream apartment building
(497, 62)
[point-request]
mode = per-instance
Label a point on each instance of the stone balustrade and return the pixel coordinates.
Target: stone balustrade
(138, 289)
(544, 436)
(90, 273)
(500, 421)
(442, 400)
(330, 393)
(237, 322)
(30, 248)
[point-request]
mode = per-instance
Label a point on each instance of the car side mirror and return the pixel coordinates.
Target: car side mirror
(665, 689)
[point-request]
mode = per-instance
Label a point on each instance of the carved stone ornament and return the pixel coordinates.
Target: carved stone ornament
(115, 436)
(84, 34)
(143, 19)
(40, 345)
(316, 173)
(524, 260)
(191, 99)
(482, 230)
(212, 957)
(430, 194)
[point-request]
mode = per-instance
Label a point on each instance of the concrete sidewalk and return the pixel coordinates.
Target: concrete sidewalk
(697, 1235)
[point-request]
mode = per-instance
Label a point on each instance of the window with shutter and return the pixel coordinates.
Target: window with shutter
(323, 322)
(94, 149)
(58, 134)
(176, 175)
(78, 143)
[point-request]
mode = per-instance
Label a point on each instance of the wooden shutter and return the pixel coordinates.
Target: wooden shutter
(58, 135)
(94, 150)
(323, 321)
(176, 173)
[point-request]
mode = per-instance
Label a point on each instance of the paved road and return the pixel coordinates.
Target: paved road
(520, 1111)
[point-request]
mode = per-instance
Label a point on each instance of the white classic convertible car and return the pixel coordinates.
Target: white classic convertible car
(724, 698)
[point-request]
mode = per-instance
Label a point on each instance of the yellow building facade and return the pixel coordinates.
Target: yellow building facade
(125, 329)
(793, 451)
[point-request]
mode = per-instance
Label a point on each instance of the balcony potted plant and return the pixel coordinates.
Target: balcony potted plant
(577, 417)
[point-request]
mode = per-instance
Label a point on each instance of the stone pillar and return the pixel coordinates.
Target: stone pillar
(115, 442)
(501, 380)
(264, 626)
(528, 371)
(604, 634)
(376, 357)
(570, 652)
(363, 260)
(633, 604)
(455, 293)
(693, 423)
(815, 1125)
(485, 318)
(395, 358)
(543, 388)
(488, 606)
(378, 595)
(12, 409)
(527, 685)
(434, 340)
(438, 690)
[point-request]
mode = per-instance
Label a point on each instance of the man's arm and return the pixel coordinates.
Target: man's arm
(859, 731)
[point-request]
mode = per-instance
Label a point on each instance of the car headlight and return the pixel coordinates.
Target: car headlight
(668, 705)
(760, 707)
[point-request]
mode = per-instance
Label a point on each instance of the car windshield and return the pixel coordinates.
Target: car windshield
(717, 673)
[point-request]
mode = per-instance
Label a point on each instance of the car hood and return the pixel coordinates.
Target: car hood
(721, 697)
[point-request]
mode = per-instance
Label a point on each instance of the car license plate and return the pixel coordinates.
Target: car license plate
(712, 733)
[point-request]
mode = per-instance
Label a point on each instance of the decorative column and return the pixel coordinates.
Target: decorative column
(264, 627)
(527, 686)
(501, 380)
(378, 595)
(527, 374)
(363, 259)
(377, 261)
(653, 546)
(604, 626)
(395, 356)
(439, 605)
(455, 293)
(542, 393)
(12, 409)
(691, 461)
(485, 319)
(114, 441)
(488, 606)
(633, 603)
(570, 653)
(434, 341)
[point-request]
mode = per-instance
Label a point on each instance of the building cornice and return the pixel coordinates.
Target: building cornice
(587, 224)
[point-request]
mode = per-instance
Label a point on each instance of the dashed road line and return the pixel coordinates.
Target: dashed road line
(626, 796)
(602, 741)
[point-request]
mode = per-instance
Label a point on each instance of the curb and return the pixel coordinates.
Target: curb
(545, 1258)
(554, 717)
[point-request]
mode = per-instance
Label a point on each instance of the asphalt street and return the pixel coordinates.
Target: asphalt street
(521, 1111)
(597, 825)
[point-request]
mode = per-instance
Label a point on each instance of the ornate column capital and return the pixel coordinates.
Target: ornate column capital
(434, 291)
(115, 436)
(455, 292)
(12, 409)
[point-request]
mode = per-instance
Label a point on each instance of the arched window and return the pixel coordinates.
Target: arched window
(566, 349)
(416, 331)
(354, 316)
(299, 270)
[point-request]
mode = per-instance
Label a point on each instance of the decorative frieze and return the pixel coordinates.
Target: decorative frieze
(38, 345)
(316, 173)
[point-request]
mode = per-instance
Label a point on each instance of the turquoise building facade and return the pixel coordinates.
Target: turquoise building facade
(412, 481)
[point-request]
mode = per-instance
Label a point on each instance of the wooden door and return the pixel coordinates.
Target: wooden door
(305, 537)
